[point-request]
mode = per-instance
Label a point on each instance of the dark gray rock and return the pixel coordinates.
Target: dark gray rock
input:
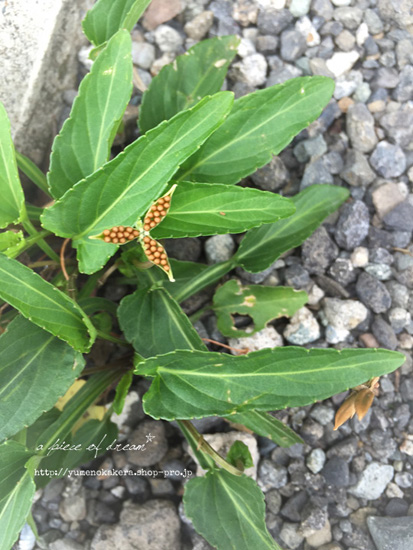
(343, 271)
(188, 249)
(357, 170)
(319, 251)
(348, 16)
(222, 10)
(347, 449)
(336, 472)
(353, 225)
(388, 160)
(400, 218)
(391, 533)
(323, 8)
(404, 89)
(271, 476)
(272, 176)
(154, 450)
(137, 486)
(273, 501)
(316, 172)
(294, 505)
(396, 507)
(373, 293)
(386, 77)
(360, 128)
(296, 276)
(293, 45)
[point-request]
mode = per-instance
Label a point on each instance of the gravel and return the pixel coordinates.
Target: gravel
(349, 489)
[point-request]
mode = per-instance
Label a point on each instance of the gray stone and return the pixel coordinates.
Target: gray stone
(384, 333)
(152, 450)
(302, 328)
(400, 218)
(290, 535)
(323, 8)
(296, 276)
(272, 21)
(391, 533)
(343, 271)
(267, 44)
(308, 148)
(399, 319)
(389, 195)
(223, 10)
(347, 84)
(360, 128)
(65, 544)
(153, 526)
(251, 70)
(373, 21)
(345, 40)
(350, 17)
(382, 272)
(357, 171)
(168, 39)
(73, 508)
(143, 54)
(336, 472)
(404, 89)
(272, 176)
(388, 160)
(293, 45)
(397, 11)
(188, 249)
(319, 251)
(373, 481)
(39, 41)
(283, 74)
(396, 507)
(353, 225)
(316, 460)
(386, 77)
(271, 476)
(399, 126)
(333, 162)
(313, 519)
(273, 501)
(373, 293)
(219, 248)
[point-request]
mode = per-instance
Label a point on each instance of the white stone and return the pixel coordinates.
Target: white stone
(344, 314)
(128, 416)
(268, 337)
(168, 39)
(320, 537)
(252, 70)
(362, 34)
(143, 54)
(290, 536)
(307, 29)
(272, 4)
(316, 460)
(341, 62)
(315, 295)
(336, 335)
(246, 47)
(340, 3)
(83, 57)
(299, 8)
(407, 446)
(39, 41)
(303, 328)
(222, 442)
(360, 256)
(389, 195)
(373, 481)
(394, 491)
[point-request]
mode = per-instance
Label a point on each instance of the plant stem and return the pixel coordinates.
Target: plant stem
(111, 338)
(206, 448)
(32, 231)
(209, 276)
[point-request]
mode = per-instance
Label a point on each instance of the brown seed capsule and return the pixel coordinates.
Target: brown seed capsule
(147, 219)
(146, 239)
(157, 220)
(121, 228)
(129, 237)
(107, 239)
(167, 198)
(120, 234)
(161, 200)
(115, 240)
(167, 268)
(153, 248)
(112, 235)
(115, 228)
(153, 243)
(157, 254)
(129, 229)
(106, 232)
(136, 233)
(163, 256)
(159, 207)
(152, 224)
(163, 213)
(146, 227)
(164, 262)
(156, 261)
(122, 240)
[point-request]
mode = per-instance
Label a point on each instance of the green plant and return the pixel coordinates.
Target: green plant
(177, 180)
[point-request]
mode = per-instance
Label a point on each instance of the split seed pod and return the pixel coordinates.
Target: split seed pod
(358, 402)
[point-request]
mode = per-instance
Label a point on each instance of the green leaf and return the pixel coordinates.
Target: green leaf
(44, 305)
(84, 142)
(11, 192)
(108, 16)
(16, 491)
(263, 245)
(195, 384)
(192, 76)
(122, 191)
(261, 303)
(122, 391)
(260, 125)
(264, 424)
(228, 511)
(199, 209)
(31, 359)
(34, 173)
(10, 238)
(239, 456)
(154, 323)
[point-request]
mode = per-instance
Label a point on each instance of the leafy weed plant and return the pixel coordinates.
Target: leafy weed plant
(178, 179)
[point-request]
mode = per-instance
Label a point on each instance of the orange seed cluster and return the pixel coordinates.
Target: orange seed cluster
(157, 212)
(155, 253)
(120, 235)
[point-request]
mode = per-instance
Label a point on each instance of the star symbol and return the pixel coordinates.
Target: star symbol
(149, 438)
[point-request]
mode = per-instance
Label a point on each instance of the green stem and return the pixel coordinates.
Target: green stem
(31, 230)
(209, 276)
(201, 445)
(16, 250)
(198, 314)
(32, 172)
(111, 338)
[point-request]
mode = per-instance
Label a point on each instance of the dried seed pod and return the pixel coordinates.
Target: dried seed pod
(358, 402)
(118, 235)
(156, 254)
